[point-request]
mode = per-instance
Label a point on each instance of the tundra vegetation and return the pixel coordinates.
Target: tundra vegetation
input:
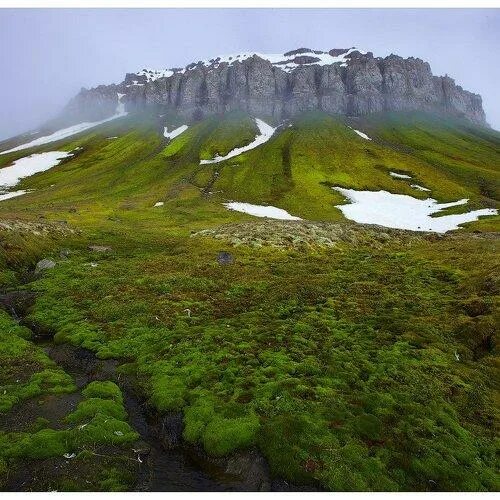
(351, 357)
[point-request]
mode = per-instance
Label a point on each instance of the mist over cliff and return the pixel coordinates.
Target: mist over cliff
(340, 81)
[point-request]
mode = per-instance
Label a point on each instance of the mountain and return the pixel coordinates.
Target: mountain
(341, 81)
(251, 292)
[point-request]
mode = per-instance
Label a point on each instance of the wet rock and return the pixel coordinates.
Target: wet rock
(170, 430)
(17, 303)
(225, 258)
(252, 469)
(43, 265)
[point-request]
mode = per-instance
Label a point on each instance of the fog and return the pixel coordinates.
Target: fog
(47, 55)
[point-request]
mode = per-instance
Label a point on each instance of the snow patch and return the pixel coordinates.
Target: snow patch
(12, 194)
(404, 212)
(362, 134)
(260, 210)
(404, 176)
(420, 188)
(285, 62)
(175, 132)
(29, 165)
(153, 74)
(399, 176)
(265, 133)
(282, 61)
(69, 131)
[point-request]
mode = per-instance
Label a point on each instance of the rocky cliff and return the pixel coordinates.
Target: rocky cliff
(341, 81)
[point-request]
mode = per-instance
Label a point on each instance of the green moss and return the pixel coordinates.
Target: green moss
(4, 470)
(168, 392)
(96, 422)
(25, 370)
(45, 443)
(234, 130)
(224, 435)
(106, 429)
(196, 419)
(115, 479)
(95, 406)
(103, 390)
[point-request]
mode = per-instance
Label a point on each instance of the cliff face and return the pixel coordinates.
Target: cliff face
(341, 81)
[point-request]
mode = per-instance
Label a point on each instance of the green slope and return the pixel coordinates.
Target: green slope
(338, 362)
(294, 170)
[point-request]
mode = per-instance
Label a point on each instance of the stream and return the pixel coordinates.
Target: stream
(167, 463)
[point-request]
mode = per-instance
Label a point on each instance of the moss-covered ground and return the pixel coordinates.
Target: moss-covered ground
(368, 364)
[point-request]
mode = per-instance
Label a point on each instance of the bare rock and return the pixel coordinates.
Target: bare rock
(363, 84)
(224, 258)
(43, 265)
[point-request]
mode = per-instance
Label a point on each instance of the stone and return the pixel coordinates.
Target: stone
(224, 258)
(64, 253)
(170, 430)
(43, 265)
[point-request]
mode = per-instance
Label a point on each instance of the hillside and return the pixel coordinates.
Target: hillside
(171, 340)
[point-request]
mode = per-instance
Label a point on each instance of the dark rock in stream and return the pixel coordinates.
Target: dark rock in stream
(17, 303)
(170, 429)
(169, 463)
(162, 459)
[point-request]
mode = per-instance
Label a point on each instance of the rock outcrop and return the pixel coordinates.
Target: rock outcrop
(354, 84)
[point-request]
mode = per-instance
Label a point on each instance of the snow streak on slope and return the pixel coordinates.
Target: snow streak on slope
(266, 132)
(404, 212)
(260, 210)
(362, 134)
(12, 194)
(69, 131)
(420, 188)
(29, 165)
(175, 132)
(399, 176)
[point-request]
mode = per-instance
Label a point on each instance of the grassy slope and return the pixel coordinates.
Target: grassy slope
(340, 364)
(330, 360)
(466, 153)
(293, 170)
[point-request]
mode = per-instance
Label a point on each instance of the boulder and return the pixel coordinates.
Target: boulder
(43, 265)
(224, 258)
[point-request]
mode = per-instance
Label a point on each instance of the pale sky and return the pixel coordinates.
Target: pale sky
(47, 55)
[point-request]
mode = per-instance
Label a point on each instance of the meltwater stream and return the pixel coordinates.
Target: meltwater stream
(167, 462)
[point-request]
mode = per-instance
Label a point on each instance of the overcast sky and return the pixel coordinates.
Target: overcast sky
(47, 55)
